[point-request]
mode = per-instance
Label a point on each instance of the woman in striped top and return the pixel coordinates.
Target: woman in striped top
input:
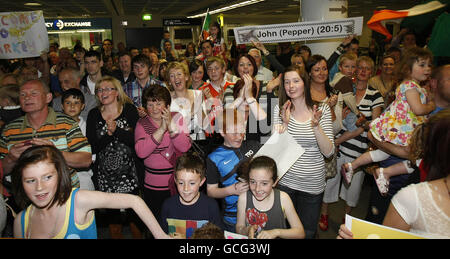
(352, 144)
(159, 137)
(311, 126)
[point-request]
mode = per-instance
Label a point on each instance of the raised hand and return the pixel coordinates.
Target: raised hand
(274, 83)
(286, 112)
(248, 80)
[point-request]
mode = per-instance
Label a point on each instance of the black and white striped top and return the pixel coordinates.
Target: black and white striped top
(307, 174)
(356, 146)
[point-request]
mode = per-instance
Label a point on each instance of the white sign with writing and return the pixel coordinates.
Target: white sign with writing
(22, 35)
(299, 31)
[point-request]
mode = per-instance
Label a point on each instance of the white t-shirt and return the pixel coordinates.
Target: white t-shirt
(418, 205)
(193, 120)
(91, 85)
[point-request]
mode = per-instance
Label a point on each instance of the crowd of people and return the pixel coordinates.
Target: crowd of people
(165, 142)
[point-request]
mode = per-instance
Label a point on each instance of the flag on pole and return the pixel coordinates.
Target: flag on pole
(380, 18)
(440, 36)
(205, 27)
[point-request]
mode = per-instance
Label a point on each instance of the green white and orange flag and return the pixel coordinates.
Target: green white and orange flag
(205, 27)
(380, 18)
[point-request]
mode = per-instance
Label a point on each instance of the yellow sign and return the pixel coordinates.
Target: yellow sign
(367, 230)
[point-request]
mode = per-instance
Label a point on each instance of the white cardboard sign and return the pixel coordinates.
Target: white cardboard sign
(299, 31)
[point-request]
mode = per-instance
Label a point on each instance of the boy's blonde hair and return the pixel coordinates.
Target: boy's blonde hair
(213, 59)
(347, 56)
(227, 119)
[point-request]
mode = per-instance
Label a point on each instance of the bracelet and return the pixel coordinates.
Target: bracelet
(254, 100)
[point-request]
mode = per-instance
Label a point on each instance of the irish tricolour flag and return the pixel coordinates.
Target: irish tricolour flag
(380, 18)
(205, 27)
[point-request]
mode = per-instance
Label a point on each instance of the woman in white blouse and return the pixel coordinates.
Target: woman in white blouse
(424, 208)
(188, 102)
(310, 125)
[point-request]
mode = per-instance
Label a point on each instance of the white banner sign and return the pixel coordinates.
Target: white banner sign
(22, 35)
(299, 31)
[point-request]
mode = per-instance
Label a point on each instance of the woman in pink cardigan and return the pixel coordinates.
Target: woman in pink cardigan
(159, 138)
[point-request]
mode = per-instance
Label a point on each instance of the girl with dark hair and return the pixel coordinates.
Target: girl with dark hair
(263, 210)
(198, 74)
(310, 125)
(251, 97)
(52, 209)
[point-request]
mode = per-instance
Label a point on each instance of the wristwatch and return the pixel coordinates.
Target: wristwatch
(340, 49)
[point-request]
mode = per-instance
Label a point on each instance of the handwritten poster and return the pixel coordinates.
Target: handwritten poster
(362, 229)
(287, 32)
(22, 34)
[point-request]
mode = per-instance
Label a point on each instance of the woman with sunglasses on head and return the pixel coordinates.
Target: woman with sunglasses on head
(110, 131)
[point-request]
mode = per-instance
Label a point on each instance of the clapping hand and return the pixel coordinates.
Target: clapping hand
(317, 114)
(111, 126)
(332, 101)
(248, 80)
(285, 117)
(142, 112)
(168, 120)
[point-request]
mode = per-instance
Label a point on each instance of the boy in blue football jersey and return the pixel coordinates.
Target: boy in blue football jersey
(222, 163)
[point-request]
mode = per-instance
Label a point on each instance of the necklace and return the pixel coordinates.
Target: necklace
(361, 89)
(54, 226)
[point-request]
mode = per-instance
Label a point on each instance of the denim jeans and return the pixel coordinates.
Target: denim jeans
(308, 209)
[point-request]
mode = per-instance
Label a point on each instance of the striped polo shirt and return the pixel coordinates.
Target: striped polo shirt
(59, 128)
(358, 145)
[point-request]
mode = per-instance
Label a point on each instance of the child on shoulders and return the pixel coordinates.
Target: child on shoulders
(410, 108)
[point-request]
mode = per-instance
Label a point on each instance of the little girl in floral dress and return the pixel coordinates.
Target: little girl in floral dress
(410, 108)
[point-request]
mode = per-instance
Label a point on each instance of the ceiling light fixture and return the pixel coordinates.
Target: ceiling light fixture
(227, 8)
(32, 4)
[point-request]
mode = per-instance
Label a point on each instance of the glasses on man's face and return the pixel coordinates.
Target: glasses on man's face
(106, 90)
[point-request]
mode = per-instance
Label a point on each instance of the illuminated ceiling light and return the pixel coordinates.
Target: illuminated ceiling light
(227, 8)
(99, 30)
(147, 17)
(60, 32)
(32, 4)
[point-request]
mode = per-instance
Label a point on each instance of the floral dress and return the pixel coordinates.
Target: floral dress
(396, 124)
